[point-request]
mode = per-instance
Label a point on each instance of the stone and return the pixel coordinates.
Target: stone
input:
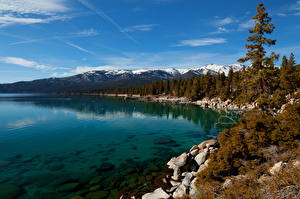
(77, 197)
(174, 183)
(164, 140)
(207, 144)
(180, 191)
(227, 183)
(201, 168)
(187, 179)
(96, 180)
(4, 164)
(193, 191)
(178, 162)
(157, 194)
(276, 168)
(176, 174)
(296, 164)
(9, 191)
(194, 152)
(68, 187)
(95, 188)
(55, 167)
(201, 157)
(106, 167)
(172, 189)
(98, 195)
(194, 147)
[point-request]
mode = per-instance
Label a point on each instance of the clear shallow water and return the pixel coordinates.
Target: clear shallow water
(54, 146)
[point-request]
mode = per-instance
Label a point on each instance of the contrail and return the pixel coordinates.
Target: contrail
(107, 18)
(79, 48)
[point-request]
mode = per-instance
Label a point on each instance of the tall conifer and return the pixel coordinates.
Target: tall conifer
(256, 50)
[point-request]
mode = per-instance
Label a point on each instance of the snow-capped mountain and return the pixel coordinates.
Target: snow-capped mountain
(113, 79)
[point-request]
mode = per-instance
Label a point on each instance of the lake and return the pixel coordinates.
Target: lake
(58, 146)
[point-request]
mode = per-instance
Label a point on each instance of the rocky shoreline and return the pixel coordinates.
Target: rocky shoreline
(214, 103)
(185, 168)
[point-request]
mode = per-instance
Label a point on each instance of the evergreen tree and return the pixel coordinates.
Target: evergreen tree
(285, 63)
(256, 51)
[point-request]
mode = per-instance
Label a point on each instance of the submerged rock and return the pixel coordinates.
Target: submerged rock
(157, 194)
(98, 195)
(68, 187)
(164, 140)
(55, 167)
(106, 167)
(9, 191)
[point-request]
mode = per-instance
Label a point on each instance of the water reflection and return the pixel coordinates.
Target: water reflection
(105, 108)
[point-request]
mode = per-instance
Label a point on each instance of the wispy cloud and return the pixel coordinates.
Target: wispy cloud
(225, 21)
(47, 7)
(7, 20)
(58, 37)
(23, 12)
(28, 63)
(79, 48)
(201, 42)
(88, 32)
(103, 15)
(290, 10)
(146, 27)
(220, 30)
(246, 25)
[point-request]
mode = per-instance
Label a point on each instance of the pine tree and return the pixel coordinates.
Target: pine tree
(292, 61)
(285, 63)
(256, 51)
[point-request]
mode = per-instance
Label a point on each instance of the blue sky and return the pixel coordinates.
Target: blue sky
(55, 38)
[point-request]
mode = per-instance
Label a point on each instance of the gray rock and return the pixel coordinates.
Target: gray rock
(193, 191)
(201, 157)
(157, 194)
(187, 179)
(178, 162)
(194, 152)
(174, 183)
(180, 191)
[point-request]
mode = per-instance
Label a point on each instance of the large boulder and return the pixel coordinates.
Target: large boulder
(201, 157)
(157, 194)
(207, 144)
(187, 179)
(9, 191)
(178, 162)
(180, 191)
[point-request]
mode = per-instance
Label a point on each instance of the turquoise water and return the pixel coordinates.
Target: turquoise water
(54, 146)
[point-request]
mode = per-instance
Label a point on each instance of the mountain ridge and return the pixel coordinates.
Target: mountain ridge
(101, 79)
